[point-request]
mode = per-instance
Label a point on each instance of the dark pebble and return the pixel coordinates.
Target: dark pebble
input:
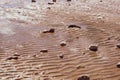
(61, 56)
(68, 0)
(33, 0)
(118, 45)
(54, 0)
(73, 26)
(118, 65)
(83, 78)
(50, 3)
(49, 31)
(46, 79)
(13, 58)
(48, 8)
(109, 39)
(63, 44)
(44, 51)
(101, 1)
(77, 37)
(93, 48)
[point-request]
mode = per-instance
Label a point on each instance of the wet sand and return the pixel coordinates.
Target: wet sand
(27, 52)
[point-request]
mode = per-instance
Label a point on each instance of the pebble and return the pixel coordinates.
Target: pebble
(83, 78)
(93, 48)
(61, 56)
(68, 0)
(44, 51)
(74, 26)
(78, 67)
(46, 79)
(49, 31)
(33, 0)
(13, 58)
(63, 44)
(48, 8)
(118, 65)
(101, 0)
(50, 3)
(118, 45)
(16, 54)
(54, 0)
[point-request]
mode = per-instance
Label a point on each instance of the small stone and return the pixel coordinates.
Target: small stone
(13, 58)
(83, 78)
(77, 37)
(36, 73)
(44, 51)
(74, 26)
(50, 3)
(68, 0)
(54, 0)
(46, 79)
(108, 38)
(61, 56)
(78, 67)
(63, 44)
(16, 54)
(93, 48)
(48, 8)
(33, 0)
(49, 31)
(118, 65)
(118, 45)
(101, 1)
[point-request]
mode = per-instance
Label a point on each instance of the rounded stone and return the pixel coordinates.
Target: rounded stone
(61, 56)
(83, 78)
(118, 65)
(63, 44)
(118, 45)
(93, 48)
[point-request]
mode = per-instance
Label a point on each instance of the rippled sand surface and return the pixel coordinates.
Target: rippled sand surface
(26, 53)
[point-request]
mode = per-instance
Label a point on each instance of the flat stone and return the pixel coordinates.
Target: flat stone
(74, 26)
(44, 51)
(50, 3)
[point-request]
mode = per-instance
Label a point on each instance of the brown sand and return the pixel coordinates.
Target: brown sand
(22, 39)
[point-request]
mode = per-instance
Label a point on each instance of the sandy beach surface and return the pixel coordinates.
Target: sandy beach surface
(37, 42)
